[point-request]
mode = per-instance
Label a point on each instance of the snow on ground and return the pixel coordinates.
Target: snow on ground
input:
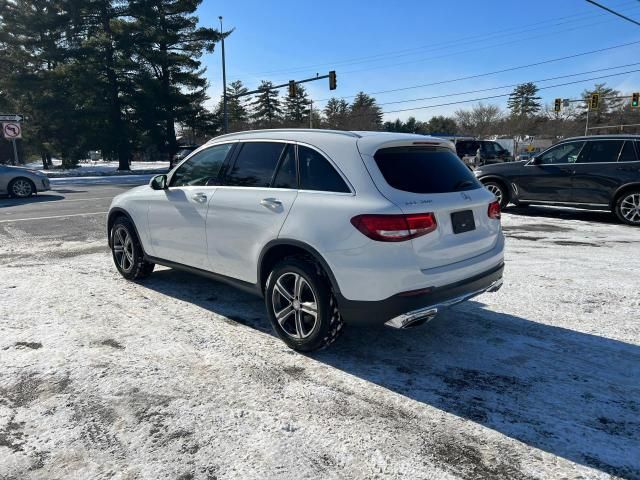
(98, 168)
(180, 377)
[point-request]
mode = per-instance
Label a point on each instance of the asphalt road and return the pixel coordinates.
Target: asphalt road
(74, 209)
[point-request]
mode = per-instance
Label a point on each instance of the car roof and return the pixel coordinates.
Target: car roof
(368, 142)
(627, 136)
(291, 134)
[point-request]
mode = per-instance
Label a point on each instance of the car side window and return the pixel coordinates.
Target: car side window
(464, 148)
(602, 151)
(316, 173)
(565, 153)
(628, 153)
(287, 177)
(469, 148)
(203, 168)
(255, 164)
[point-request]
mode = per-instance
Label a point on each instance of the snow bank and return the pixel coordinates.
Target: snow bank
(100, 168)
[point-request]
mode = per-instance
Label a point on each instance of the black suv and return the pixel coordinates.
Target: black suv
(482, 152)
(597, 172)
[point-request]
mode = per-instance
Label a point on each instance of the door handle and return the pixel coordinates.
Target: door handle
(199, 197)
(270, 202)
(568, 170)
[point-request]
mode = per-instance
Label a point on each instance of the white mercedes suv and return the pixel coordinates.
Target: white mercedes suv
(330, 227)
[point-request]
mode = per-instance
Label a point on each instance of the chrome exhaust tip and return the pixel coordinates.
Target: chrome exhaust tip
(413, 319)
(495, 286)
(426, 314)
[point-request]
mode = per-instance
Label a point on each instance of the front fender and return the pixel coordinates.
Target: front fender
(114, 213)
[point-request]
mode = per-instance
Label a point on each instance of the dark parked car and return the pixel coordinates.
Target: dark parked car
(182, 153)
(597, 172)
(482, 152)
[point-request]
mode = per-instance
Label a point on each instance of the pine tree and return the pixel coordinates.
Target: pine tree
(609, 105)
(169, 45)
(199, 123)
(101, 72)
(364, 114)
(266, 106)
(441, 125)
(336, 113)
(296, 109)
(524, 101)
(31, 35)
(237, 108)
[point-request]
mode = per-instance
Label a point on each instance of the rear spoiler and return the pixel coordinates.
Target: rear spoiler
(370, 148)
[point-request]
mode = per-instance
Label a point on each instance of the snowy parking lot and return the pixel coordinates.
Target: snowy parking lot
(181, 377)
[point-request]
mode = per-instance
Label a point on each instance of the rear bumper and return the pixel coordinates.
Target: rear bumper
(402, 311)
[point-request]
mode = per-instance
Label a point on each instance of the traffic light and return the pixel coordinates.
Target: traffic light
(557, 105)
(594, 103)
(332, 80)
(635, 100)
(293, 89)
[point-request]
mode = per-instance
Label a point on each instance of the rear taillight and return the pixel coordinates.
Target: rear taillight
(395, 228)
(494, 210)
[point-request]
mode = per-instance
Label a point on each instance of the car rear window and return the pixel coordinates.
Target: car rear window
(424, 170)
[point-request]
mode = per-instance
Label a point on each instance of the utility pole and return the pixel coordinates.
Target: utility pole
(15, 153)
(586, 127)
(224, 83)
(311, 115)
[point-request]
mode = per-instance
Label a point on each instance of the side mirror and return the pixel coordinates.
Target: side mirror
(159, 182)
(536, 160)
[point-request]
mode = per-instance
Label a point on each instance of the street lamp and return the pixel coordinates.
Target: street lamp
(225, 118)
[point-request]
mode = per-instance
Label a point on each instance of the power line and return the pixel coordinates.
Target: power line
(495, 72)
(454, 94)
(510, 85)
(468, 51)
(507, 94)
(614, 12)
(435, 46)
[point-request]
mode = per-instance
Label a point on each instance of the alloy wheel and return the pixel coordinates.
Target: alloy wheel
(21, 188)
(295, 305)
(123, 248)
(630, 207)
(496, 190)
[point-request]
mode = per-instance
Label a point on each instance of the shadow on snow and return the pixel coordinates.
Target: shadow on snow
(571, 394)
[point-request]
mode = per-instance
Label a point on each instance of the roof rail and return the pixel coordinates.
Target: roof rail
(288, 130)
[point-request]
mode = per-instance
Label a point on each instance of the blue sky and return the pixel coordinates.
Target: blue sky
(379, 45)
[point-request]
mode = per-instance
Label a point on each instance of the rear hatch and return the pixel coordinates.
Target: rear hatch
(428, 177)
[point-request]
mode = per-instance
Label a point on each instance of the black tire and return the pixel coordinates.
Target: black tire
(127, 252)
(499, 190)
(627, 207)
(21, 188)
(297, 328)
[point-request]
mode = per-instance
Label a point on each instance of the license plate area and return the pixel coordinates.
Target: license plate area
(463, 221)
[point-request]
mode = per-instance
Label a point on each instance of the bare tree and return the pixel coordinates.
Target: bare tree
(481, 120)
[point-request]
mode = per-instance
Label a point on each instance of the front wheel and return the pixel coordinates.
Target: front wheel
(301, 307)
(628, 207)
(127, 252)
(499, 191)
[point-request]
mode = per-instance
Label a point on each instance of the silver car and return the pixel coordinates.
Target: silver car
(21, 182)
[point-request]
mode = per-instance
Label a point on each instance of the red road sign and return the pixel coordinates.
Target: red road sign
(11, 130)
